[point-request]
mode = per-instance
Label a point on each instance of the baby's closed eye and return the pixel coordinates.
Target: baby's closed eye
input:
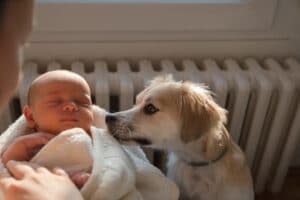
(54, 102)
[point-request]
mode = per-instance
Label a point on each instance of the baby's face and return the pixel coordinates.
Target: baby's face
(62, 104)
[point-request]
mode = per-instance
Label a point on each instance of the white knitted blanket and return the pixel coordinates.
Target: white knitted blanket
(117, 172)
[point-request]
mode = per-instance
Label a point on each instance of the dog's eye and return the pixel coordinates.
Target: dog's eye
(150, 109)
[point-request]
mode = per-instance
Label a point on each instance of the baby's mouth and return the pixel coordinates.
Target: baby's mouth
(69, 120)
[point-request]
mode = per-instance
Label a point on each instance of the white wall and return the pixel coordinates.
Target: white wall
(280, 39)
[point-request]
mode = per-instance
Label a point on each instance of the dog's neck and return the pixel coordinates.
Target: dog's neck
(207, 148)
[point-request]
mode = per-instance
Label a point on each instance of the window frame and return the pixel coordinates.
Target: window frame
(247, 15)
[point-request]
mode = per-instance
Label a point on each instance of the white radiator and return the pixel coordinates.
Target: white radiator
(262, 98)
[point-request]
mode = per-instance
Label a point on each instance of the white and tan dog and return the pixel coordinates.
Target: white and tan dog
(183, 118)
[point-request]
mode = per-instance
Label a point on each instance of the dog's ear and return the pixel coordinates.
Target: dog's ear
(199, 112)
(153, 83)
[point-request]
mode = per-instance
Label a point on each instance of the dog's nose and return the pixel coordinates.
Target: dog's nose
(110, 118)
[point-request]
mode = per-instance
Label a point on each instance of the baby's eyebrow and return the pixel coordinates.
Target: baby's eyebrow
(87, 99)
(52, 93)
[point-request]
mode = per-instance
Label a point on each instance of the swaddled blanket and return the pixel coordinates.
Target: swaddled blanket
(117, 172)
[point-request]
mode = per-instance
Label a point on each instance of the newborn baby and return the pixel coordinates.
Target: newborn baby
(66, 132)
(57, 101)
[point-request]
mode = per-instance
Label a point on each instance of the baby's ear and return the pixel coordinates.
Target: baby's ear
(28, 116)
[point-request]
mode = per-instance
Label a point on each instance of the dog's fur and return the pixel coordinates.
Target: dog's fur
(183, 118)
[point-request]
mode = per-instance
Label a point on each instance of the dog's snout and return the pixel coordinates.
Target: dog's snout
(110, 118)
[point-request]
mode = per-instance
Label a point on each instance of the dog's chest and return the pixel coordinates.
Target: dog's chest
(194, 182)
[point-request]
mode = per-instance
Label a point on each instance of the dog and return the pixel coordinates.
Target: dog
(183, 118)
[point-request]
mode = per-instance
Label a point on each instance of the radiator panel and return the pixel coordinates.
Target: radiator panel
(262, 99)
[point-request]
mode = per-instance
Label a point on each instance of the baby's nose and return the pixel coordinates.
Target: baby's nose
(70, 106)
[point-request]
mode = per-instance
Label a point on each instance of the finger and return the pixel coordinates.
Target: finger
(41, 170)
(20, 151)
(6, 182)
(44, 135)
(18, 169)
(34, 166)
(80, 178)
(38, 139)
(59, 171)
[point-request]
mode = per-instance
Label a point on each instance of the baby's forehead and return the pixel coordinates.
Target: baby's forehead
(60, 76)
(53, 86)
(52, 82)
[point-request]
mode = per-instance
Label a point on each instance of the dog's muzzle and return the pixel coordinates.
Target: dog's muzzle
(121, 130)
(110, 118)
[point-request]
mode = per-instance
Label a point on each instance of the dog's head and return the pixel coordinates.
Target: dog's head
(167, 113)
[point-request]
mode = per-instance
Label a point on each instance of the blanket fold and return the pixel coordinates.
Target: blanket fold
(117, 172)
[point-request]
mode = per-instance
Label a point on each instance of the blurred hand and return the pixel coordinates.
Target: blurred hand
(25, 147)
(36, 183)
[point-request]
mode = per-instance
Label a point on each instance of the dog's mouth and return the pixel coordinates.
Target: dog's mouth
(122, 132)
(141, 141)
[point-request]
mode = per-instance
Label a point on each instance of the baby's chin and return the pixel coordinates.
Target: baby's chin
(73, 126)
(63, 127)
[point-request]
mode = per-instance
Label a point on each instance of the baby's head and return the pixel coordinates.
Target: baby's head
(59, 100)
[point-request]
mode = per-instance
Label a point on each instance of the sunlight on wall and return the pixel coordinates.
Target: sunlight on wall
(147, 1)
